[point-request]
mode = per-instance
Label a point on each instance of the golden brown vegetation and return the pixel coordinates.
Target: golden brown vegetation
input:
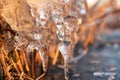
(18, 64)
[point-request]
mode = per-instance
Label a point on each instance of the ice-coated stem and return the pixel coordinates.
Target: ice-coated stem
(66, 66)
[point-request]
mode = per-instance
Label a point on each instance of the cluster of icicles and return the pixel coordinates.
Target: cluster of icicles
(57, 11)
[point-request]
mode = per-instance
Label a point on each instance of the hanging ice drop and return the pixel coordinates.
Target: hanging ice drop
(43, 17)
(64, 49)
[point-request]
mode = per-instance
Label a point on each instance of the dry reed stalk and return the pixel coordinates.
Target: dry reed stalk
(52, 49)
(33, 64)
(3, 64)
(24, 60)
(91, 24)
(99, 12)
(18, 62)
(90, 36)
(41, 77)
(15, 66)
(38, 65)
(86, 8)
(56, 56)
(21, 76)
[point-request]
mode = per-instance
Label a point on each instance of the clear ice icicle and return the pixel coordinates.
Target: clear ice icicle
(64, 49)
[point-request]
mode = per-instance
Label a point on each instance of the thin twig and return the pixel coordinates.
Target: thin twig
(40, 77)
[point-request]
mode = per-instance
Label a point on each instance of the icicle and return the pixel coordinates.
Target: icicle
(42, 51)
(44, 58)
(64, 49)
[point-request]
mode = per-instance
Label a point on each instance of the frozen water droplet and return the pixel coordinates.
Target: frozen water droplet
(37, 36)
(60, 34)
(37, 22)
(66, 1)
(59, 26)
(63, 47)
(57, 17)
(43, 17)
(71, 23)
(83, 11)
